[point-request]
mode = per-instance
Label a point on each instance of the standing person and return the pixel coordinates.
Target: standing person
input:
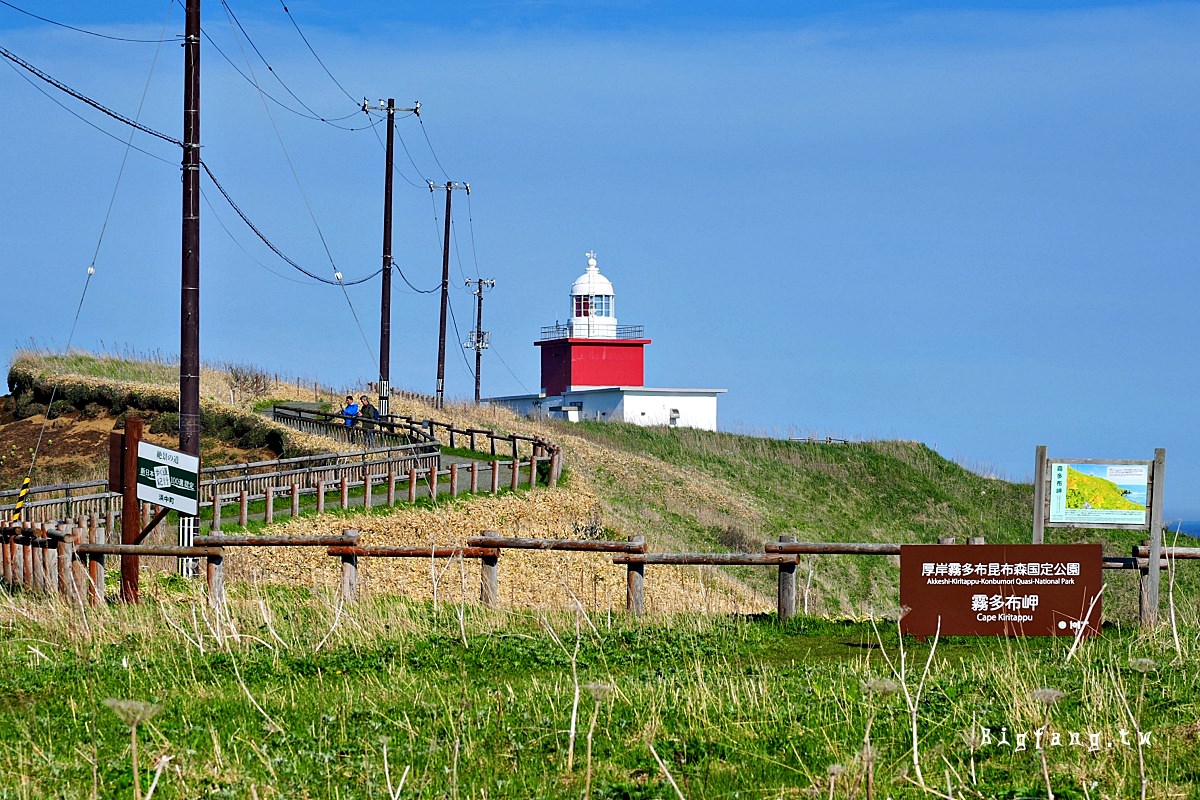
(367, 414)
(349, 413)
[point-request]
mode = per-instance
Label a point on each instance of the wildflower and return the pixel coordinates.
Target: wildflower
(132, 712)
(1143, 665)
(1048, 697)
(880, 686)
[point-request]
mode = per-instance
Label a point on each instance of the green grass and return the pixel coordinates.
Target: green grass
(293, 697)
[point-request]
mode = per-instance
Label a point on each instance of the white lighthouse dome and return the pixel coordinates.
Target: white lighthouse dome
(593, 310)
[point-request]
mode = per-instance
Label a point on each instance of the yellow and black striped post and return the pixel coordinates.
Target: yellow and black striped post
(16, 512)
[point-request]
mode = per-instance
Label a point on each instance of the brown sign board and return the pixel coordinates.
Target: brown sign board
(1000, 590)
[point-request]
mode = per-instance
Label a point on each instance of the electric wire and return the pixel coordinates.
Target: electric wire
(311, 212)
(471, 227)
(314, 52)
(395, 168)
(327, 120)
(271, 245)
(237, 243)
(458, 338)
(81, 30)
(25, 65)
(433, 153)
(261, 57)
(145, 129)
(496, 353)
(295, 174)
(91, 269)
(81, 118)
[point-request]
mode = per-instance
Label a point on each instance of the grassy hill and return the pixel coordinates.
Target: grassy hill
(285, 692)
(683, 489)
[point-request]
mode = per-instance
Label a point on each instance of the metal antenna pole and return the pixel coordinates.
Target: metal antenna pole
(440, 396)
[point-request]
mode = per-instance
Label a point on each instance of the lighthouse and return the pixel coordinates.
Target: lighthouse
(591, 350)
(594, 368)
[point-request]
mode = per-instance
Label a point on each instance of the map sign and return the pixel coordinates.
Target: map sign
(1000, 590)
(168, 478)
(1105, 494)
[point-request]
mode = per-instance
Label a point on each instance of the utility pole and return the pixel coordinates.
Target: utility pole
(441, 362)
(189, 317)
(385, 303)
(479, 337)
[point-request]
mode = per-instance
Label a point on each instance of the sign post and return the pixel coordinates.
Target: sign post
(1096, 493)
(145, 472)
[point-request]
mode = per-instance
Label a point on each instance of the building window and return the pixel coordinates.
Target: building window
(596, 305)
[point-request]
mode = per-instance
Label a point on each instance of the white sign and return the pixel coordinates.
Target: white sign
(168, 478)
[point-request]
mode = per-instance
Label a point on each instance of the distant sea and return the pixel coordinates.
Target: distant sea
(1188, 527)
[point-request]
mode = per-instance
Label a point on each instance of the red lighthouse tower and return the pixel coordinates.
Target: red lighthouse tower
(591, 351)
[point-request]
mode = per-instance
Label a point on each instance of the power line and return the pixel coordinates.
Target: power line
(81, 30)
(338, 280)
(314, 52)
(23, 64)
(263, 58)
(83, 119)
(313, 116)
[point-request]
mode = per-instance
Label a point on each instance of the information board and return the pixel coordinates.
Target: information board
(1098, 494)
(1000, 590)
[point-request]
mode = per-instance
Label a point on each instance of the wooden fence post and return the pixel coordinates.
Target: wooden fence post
(474, 476)
(391, 486)
(349, 577)
(514, 474)
(555, 461)
(295, 499)
(96, 570)
(215, 572)
(533, 462)
(321, 496)
(453, 477)
(243, 508)
(787, 586)
(65, 550)
(79, 574)
(412, 485)
(432, 474)
(269, 514)
(489, 579)
(367, 489)
(635, 584)
(495, 473)
(345, 490)
(216, 504)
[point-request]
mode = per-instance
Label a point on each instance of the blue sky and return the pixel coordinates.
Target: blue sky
(968, 224)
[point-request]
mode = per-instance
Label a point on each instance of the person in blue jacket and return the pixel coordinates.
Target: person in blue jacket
(349, 413)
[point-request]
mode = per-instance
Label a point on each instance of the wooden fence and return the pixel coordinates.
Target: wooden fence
(69, 559)
(407, 458)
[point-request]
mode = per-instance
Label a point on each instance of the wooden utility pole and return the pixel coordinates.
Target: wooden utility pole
(479, 337)
(189, 318)
(385, 303)
(441, 362)
(131, 518)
